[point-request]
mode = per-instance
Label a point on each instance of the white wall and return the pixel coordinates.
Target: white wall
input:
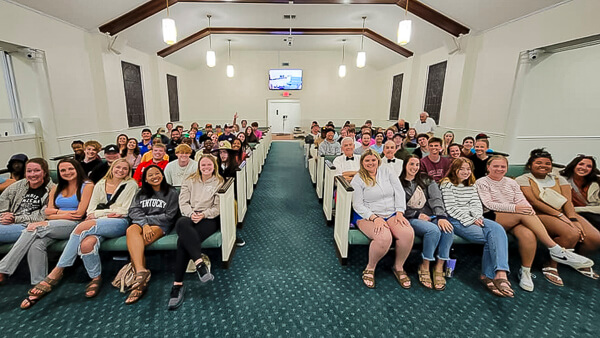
(76, 87)
(324, 96)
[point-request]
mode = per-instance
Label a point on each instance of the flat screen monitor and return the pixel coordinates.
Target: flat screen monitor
(285, 79)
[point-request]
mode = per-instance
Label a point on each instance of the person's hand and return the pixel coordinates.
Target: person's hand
(444, 225)
(197, 217)
(7, 218)
(235, 116)
(113, 215)
(479, 222)
(380, 224)
(401, 220)
(90, 216)
(524, 209)
(424, 217)
(148, 233)
(33, 226)
(579, 227)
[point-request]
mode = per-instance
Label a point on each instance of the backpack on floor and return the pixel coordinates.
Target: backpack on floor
(125, 278)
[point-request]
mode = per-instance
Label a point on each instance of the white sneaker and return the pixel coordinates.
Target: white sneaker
(525, 280)
(568, 257)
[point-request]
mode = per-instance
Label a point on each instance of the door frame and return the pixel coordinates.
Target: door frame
(282, 101)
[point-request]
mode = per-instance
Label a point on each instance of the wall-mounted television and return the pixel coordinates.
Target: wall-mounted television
(285, 79)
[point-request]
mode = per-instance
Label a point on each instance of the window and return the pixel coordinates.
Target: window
(435, 90)
(173, 98)
(134, 96)
(396, 95)
(9, 100)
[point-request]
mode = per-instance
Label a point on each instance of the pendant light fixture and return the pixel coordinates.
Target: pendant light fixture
(342, 69)
(361, 57)
(211, 58)
(169, 29)
(404, 28)
(230, 70)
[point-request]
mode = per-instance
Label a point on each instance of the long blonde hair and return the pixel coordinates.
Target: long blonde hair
(109, 173)
(363, 173)
(198, 176)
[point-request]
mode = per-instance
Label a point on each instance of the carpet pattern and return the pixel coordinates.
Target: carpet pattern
(287, 281)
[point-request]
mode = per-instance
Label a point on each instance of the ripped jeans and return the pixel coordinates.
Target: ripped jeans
(104, 228)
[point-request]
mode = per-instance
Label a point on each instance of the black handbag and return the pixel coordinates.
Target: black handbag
(113, 199)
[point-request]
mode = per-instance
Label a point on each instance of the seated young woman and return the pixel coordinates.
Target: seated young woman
(504, 198)
(411, 138)
(583, 175)
(200, 208)
(176, 171)
(226, 161)
(122, 140)
(25, 201)
(454, 151)
(250, 136)
(379, 204)
(106, 218)
(152, 213)
(550, 197)
(466, 216)
(447, 139)
(66, 206)
(426, 214)
(238, 153)
(132, 153)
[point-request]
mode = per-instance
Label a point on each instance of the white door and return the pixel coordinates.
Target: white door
(284, 115)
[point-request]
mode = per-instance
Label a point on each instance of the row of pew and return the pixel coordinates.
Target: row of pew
(235, 195)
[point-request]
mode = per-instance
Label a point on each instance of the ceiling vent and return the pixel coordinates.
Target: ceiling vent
(287, 16)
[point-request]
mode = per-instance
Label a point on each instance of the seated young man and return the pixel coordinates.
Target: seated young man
(423, 149)
(365, 143)
(77, 147)
(330, 146)
(91, 158)
(158, 153)
(314, 134)
(348, 163)
(173, 143)
(434, 165)
(257, 132)
(111, 154)
(146, 142)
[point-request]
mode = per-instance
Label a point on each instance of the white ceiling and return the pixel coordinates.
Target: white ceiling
(146, 36)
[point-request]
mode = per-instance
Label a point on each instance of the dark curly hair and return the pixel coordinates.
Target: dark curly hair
(535, 154)
(569, 170)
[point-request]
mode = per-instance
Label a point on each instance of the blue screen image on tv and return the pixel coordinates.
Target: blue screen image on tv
(285, 79)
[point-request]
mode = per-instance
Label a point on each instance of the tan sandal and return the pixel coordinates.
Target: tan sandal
(504, 286)
(43, 289)
(402, 278)
(489, 284)
(93, 288)
(439, 281)
(369, 276)
(424, 278)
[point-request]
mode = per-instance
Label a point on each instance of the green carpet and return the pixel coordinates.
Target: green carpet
(287, 281)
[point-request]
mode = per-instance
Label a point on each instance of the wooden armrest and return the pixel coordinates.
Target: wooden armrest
(499, 153)
(3, 171)
(58, 158)
(343, 183)
(329, 164)
(228, 183)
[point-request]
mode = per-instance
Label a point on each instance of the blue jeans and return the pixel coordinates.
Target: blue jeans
(104, 228)
(9, 233)
(433, 238)
(495, 244)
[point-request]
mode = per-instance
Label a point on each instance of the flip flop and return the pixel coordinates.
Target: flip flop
(489, 284)
(504, 286)
(552, 272)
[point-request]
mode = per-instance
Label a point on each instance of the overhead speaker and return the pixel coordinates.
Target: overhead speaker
(117, 45)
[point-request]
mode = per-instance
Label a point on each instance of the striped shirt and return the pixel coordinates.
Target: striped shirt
(502, 196)
(462, 202)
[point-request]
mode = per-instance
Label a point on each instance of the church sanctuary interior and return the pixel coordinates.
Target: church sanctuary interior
(319, 168)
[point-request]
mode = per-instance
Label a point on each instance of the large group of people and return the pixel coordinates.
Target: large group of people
(121, 195)
(441, 188)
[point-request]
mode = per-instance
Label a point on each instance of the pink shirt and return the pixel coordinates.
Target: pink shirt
(501, 195)
(258, 134)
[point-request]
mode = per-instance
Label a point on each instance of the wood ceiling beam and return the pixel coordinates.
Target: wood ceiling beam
(284, 32)
(134, 16)
(415, 7)
(434, 17)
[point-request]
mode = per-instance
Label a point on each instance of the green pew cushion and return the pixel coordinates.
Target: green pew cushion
(515, 170)
(168, 242)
